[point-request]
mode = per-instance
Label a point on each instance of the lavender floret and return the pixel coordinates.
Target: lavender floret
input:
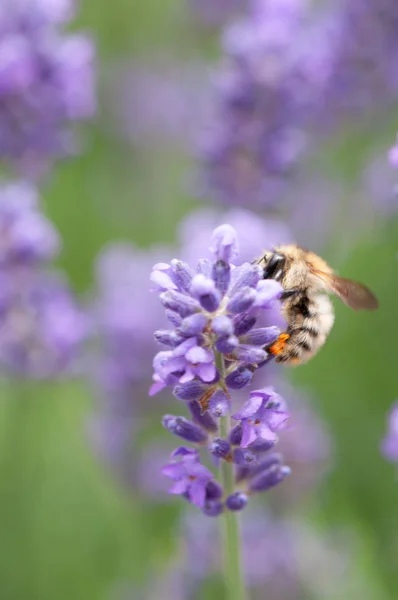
(188, 431)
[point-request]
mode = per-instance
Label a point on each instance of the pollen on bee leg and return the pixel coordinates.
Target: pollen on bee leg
(278, 346)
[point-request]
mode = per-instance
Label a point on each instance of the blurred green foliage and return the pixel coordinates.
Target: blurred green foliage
(67, 530)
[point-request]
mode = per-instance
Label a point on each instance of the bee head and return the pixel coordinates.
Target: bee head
(274, 264)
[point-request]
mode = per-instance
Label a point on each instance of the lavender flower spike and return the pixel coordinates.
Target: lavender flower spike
(46, 83)
(207, 356)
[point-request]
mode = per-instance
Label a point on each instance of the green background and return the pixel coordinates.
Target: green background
(67, 529)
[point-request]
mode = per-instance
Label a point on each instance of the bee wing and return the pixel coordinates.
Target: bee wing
(354, 294)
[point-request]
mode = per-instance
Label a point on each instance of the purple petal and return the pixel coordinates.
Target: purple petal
(174, 470)
(204, 267)
(156, 387)
(204, 419)
(206, 372)
(239, 378)
(265, 433)
(179, 487)
(237, 501)
(219, 404)
(188, 376)
(225, 245)
(205, 291)
(182, 274)
(196, 355)
(196, 469)
(269, 478)
(242, 300)
(243, 323)
(222, 325)
(163, 280)
(262, 336)
(194, 324)
(248, 434)
(173, 365)
(246, 275)
(250, 407)
(189, 391)
(221, 275)
(183, 348)
(268, 290)
(276, 419)
(197, 494)
(227, 344)
(250, 354)
(184, 451)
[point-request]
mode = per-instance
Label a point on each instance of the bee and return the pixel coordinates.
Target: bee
(308, 312)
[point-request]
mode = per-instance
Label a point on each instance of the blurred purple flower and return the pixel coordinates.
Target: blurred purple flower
(155, 102)
(265, 93)
(46, 82)
(126, 310)
(363, 76)
(42, 328)
(284, 556)
(124, 313)
(389, 445)
(27, 237)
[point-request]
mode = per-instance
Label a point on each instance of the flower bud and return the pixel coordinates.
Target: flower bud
(236, 501)
(187, 430)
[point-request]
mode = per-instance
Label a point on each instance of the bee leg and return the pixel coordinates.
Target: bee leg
(288, 294)
(278, 346)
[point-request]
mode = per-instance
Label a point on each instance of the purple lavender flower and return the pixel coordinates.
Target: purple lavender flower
(362, 77)
(211, 353)
(42, 327)
(190, 477)
(27, 236)
(389, 445)
(152, 103)
(265, 93)
(261, 417)
(124, 313)
(283, 556)
(46, 82)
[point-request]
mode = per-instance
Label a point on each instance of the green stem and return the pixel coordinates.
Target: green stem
(233, 575)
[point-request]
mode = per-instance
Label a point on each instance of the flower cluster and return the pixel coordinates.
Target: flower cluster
(362, 77)
(46, 82)
(265, 93)
(390, 443)
(124, 319)
(215, 348)
(41, 326)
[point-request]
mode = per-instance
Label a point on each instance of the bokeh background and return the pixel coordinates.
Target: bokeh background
(75, 525)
